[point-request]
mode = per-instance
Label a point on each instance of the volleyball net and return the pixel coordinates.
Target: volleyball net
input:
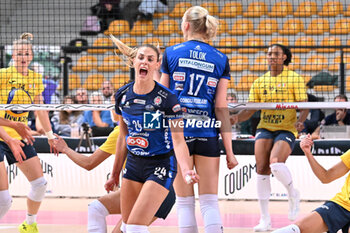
(72, 49)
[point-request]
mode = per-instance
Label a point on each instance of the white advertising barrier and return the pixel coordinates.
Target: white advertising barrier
(64, 178)
(240, 182)
(67, 179)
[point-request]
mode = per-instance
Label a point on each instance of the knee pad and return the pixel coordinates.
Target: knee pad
(186, 211)
(97, 213)
(5, 202)
(37, 190)
(210, 209)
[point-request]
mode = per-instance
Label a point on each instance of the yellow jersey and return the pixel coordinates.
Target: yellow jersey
(18, 89)
(343, 198)
(286, 87)
(109, 146)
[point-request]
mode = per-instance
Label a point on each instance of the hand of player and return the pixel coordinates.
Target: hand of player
(60, 144)
(306, 143)
(52, 147)
(24, 131)
(234, 119)
(231, 161)
(190, 177)
(111, 184)
(299, 126)
(16, 148)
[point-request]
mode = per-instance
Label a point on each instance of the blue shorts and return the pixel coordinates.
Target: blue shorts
(203, 146)
(335, 216)
(167, 204)
(276, 136)
(5, 150)
(160, 169)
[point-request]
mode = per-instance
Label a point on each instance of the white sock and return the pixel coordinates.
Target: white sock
(97, 213)
(288, 229)
(136, 229)
(282, 173)
(264, 192)
(5, 202)
(186, 214)
(123, 227)
(211, 213)
(30, 219)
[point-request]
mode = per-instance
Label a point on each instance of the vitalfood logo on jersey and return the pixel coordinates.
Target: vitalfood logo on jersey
(157, 120)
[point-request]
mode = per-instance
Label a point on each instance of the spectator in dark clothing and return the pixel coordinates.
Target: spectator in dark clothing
(107, 11)
(314, 118)
(339, 117)
(148, 7)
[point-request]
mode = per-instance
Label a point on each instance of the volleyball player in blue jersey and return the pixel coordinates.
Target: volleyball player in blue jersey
(199, 75)
(149, 115)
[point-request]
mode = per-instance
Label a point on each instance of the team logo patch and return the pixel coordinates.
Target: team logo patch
(179, 76)
(176, 108)
(149, 107)
(137, 141)
(157, 101)
(212, 82)
(179, 86)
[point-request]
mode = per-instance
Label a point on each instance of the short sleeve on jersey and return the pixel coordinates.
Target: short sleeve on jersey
(120, 98)
(226, 73)
(164, 68)
(346, 159)
(173, 110)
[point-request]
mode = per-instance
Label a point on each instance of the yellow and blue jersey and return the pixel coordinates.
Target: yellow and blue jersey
(343, 198)
(195, 69)
(18, 89)
(286, 87)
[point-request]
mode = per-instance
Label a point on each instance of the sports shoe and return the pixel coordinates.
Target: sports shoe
(294, 206)
(26, 228)
(264, 225)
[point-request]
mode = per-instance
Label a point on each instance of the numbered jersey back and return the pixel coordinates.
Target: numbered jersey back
(195, 69)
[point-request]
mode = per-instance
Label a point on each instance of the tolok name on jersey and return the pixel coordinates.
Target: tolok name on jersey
(197, 55)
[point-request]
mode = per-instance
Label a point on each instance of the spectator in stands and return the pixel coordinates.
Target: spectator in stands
(81, 96)
(107, 90)
(339, 117)
(107, 11)
(100, 121)
(314, 118)
(63, 120)
(148, 7)
(333, 215)
(277, 129)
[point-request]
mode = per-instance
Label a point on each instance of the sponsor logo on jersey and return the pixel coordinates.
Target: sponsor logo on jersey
(179, 76)
(179, 86)
(157, 101)
(198, 47)
(123, 99)
(139, 101)
(198, 65)
(162, 93)
(150, 108)
(212, 82)
(137, 141)
(192, 101)
(176, 108)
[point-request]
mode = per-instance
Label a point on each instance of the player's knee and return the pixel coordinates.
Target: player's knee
(210, 209)
(5, 202)
(97, 213)
(38, 189)
(186, 211)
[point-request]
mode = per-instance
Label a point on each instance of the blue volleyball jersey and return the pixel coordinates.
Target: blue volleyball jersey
(194, 70)
(147, 118)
